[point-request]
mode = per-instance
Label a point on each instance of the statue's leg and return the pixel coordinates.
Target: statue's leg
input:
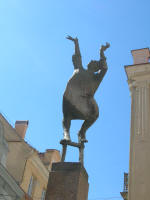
(86, 124)
(66, 127)
(90, 118)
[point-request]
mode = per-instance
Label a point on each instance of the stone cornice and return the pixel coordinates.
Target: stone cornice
(138, 70)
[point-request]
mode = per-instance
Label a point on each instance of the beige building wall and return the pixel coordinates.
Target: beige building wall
(16, 159)
(24, 161)
(35, 168)
(8, 186)
(139, 166)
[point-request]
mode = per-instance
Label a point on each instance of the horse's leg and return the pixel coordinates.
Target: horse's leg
(86, 124)
(66, 127)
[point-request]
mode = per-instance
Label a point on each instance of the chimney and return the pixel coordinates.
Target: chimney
(141, 56)
(50, 156)
(21, 127)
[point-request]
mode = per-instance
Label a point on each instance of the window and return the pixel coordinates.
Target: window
(43, 194)
(31, 185)
(125, 182)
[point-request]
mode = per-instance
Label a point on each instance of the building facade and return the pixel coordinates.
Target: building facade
(139, 84)
(9, 189)
(27, 166)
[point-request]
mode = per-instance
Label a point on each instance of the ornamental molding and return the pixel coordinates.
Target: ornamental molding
(137, 70)
(138, 84)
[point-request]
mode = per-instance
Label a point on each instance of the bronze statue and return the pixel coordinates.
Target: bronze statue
(78, 98)
(1, 132)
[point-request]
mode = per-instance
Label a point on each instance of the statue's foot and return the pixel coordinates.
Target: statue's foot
(67, 137)
(83, 140)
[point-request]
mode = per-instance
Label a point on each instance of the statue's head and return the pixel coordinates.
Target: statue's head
(93, 66)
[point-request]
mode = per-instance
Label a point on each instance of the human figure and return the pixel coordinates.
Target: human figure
(78, 98)
(1, 132)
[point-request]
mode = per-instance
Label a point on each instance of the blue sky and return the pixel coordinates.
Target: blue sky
(35, 60)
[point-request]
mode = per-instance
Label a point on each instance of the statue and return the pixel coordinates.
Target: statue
(1, 133)
(78, 98)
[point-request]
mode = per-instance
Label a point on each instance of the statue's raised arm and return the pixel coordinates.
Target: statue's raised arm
(76, 58)
(102, 49)
(102, 63)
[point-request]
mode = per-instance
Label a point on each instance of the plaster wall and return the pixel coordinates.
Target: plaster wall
(23, 161)
(35, 168)
(9, 189)
(16, 159)
(139, 176)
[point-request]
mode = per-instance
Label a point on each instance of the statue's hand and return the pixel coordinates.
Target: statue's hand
(71, 38)
(104, 47)
(104, 63)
